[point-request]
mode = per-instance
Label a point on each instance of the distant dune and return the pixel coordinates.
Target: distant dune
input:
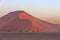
(21, 21)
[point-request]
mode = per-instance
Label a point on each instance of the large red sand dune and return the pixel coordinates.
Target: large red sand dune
(21, 21)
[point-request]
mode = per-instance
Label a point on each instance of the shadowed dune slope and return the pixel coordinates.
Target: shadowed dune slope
(21, 21)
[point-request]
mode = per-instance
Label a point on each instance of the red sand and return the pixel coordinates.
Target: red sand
(20, 21)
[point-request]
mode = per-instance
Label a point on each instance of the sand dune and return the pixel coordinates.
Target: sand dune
(21, 21)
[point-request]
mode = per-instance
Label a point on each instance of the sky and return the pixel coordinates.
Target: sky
(47, 10)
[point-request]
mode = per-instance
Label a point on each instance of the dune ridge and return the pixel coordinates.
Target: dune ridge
(21, 21)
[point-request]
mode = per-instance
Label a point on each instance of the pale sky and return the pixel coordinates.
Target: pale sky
(48, 10)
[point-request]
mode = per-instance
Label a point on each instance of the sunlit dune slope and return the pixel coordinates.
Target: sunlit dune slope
(21, 21)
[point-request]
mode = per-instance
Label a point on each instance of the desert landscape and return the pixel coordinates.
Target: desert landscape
(29, 19)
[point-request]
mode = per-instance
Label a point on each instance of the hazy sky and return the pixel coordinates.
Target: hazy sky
(48, 10)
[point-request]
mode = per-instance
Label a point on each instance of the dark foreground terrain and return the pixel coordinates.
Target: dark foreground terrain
(29, 36)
